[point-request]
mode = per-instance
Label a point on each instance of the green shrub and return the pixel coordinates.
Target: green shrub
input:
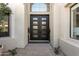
(4, 10)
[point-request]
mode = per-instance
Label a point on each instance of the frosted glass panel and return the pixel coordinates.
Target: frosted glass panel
(35, 27)
(39, 7)
(43, 22)
(43, 27)
(43, 36)
(43, 31)
(35, 18)
(43, 18)
(35, 22)
(35, 31)
(35, 36)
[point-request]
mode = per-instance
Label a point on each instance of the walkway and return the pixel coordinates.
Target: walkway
(36, 49)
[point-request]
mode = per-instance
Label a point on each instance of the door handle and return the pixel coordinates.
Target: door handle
(28, 30)
(49, 31)
(39, 31)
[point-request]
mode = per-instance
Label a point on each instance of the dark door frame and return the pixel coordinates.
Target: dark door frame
(30, 25)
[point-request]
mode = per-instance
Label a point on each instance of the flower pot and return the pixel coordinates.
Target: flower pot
(1, 49)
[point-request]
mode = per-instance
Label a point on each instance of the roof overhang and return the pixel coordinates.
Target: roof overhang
(70, 4)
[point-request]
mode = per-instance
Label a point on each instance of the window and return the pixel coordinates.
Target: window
(4, 27)
(39, 7)
(75, 22)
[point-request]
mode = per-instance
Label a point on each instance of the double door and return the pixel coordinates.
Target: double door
(39, 27)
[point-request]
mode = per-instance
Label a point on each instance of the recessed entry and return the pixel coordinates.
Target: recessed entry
(39, 26)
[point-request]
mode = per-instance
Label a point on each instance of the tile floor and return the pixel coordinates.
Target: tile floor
(37, 49)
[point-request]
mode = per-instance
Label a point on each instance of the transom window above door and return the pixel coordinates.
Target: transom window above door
(39, 7)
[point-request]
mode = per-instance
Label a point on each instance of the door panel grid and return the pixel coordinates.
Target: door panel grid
(39, 27)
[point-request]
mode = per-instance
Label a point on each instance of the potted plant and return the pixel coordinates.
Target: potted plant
(13, 52)
(1, 49)
(56, 50)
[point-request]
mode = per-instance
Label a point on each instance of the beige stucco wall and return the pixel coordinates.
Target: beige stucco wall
(56, 24)
(68, 45)
(18, 37)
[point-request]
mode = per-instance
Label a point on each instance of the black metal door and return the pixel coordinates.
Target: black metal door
(39, 27)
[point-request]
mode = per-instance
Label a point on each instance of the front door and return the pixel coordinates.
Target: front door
(39, 27)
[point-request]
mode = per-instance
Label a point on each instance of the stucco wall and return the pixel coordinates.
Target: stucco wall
(68, 45)
(56, 24)
(17, 28)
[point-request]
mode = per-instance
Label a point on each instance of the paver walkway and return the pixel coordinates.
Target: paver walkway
(36, 49)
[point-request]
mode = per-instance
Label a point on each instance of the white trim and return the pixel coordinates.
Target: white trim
(69, 4)
(39, 13)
